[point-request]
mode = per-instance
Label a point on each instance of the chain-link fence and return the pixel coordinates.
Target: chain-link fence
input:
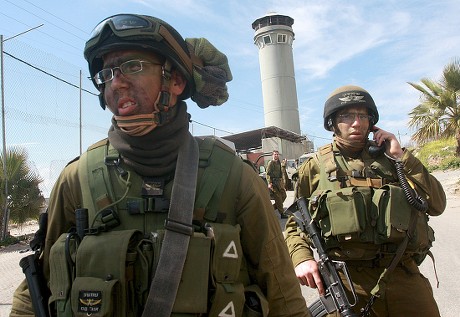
(51, 109)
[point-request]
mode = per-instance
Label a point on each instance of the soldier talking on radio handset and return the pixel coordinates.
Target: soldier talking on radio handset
(370, 199)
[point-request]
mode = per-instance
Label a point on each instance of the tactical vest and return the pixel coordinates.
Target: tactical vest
(365, 209)
(108, 272)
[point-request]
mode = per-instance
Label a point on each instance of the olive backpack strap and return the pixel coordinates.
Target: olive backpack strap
(179, 229)
(216, 160)
(325, 158)
(97, 190)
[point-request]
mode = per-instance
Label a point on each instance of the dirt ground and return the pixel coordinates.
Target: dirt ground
(11, 274)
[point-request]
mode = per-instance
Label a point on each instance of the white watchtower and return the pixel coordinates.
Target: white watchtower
(274, 37)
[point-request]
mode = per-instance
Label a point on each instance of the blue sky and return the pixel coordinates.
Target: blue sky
(379, 45)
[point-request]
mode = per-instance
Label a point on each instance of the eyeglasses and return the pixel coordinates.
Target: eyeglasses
(349, 118)
(127, 68)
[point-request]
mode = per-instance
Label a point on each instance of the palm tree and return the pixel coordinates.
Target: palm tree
(438, 114)
(24, 200)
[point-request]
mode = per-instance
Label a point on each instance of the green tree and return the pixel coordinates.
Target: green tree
(25, 199)
(438, 114)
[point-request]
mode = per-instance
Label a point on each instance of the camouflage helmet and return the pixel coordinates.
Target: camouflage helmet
(132, 31)
(346, 96)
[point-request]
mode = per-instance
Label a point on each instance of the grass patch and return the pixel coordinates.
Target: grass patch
(439, 155)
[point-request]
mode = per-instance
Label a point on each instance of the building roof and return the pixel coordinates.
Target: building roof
(272, 19)
(251, 140)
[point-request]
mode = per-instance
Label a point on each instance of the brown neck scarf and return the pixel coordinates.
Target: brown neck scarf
(349, 149)
(155, 153)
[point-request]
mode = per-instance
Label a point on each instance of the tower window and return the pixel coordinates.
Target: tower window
(282, 38)
(267, 39)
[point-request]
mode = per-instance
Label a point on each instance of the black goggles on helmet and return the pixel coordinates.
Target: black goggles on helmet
(127, 25)
(131, 26)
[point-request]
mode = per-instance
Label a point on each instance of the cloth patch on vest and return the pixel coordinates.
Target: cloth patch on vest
(231, 251)
(89, 302)
(153, 186)
(228, 311)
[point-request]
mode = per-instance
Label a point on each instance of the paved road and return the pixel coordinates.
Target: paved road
(445, 250)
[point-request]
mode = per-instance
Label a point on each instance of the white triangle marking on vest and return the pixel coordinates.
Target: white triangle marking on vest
(228, 311)
(231, 251)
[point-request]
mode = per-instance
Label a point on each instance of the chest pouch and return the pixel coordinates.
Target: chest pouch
(394, 214)
(192, 295)
(105, 283)
(61, 275)
(344, 213)
(231, 291)
(394, 220)
(107, 275)
(227, 253)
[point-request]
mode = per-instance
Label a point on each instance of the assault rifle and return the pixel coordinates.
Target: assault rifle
(335, 298)
(31, 267)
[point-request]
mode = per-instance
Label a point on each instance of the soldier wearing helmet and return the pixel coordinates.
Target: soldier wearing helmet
(153, 221)
(363, 195)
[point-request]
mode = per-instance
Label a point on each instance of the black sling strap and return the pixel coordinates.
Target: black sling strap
(178, 227)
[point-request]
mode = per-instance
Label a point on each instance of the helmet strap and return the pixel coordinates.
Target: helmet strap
(101, 98)
(139, 125)
(162, 103)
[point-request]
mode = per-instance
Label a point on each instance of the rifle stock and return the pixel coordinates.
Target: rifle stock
(37, 286)
(335, 298)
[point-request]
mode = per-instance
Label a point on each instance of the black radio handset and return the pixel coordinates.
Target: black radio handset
(375, 150)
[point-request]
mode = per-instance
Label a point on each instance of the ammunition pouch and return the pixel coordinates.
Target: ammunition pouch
(109, 274)
(192, 295)
(231, 297)
(367, 215)
(113, 272)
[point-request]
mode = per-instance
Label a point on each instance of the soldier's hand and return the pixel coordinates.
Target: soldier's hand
(392, 146)
(308, 274)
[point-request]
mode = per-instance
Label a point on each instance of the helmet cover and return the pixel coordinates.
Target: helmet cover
(132, 31)
(346, 96)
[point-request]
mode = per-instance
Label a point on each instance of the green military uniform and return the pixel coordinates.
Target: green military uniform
(275, 177)
(407, 291)
(138, 187)
(286, 181)
(264, 250)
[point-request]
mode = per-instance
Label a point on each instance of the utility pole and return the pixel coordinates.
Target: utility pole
(81, 139)
(6, 215)
(5, 170)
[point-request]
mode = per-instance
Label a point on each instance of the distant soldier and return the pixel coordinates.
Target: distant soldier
(275, 182)
(286, 180)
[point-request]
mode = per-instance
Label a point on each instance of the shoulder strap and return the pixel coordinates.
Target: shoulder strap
(217, 160)
(96, 187)
(178, 227)
(324, 157)
(331, 161)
